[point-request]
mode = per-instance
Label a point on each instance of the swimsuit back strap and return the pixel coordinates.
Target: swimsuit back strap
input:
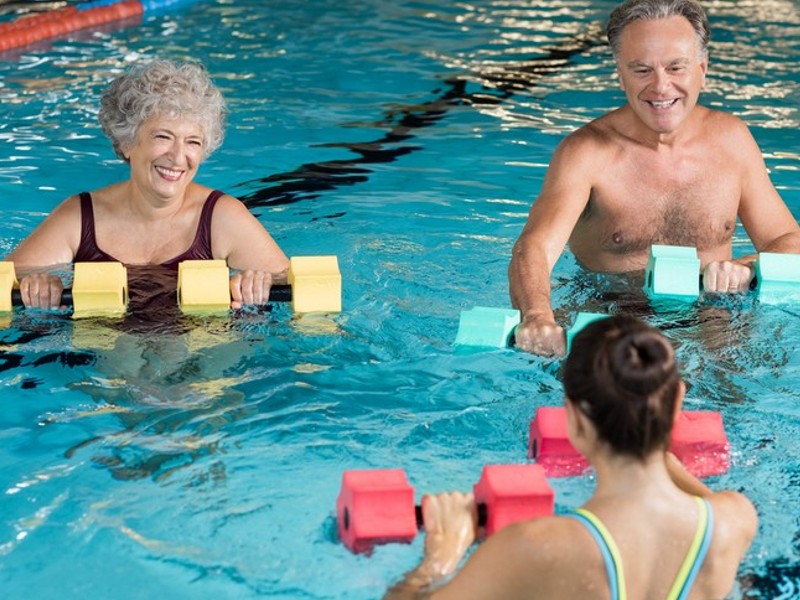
(697, 552)
(609, 550)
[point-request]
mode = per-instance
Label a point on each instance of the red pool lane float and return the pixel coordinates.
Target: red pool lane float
(29, 29)
(698, 440)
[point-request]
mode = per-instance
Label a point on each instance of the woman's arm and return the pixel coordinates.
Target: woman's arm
(240, 239)
(54, 242)
(451, 524)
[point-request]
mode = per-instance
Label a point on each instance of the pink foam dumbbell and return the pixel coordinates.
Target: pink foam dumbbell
(698, 440)
(377, 506)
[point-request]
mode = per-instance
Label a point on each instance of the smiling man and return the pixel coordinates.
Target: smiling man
(661, 169)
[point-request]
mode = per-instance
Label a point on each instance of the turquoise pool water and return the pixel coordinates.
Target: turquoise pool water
(408, 138)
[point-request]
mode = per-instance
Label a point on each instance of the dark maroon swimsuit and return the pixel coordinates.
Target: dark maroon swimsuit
(199, 250)
(152, 288)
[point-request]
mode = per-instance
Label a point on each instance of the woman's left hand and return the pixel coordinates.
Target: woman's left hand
(250, 287)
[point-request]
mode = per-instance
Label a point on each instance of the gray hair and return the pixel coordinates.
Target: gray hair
(635, 10)
(162, 88)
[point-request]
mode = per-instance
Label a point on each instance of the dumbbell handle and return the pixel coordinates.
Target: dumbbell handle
(277, 293)
(16, 297)
(753, 282)
(482, 515)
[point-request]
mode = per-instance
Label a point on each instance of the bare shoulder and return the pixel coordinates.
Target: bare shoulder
(232, 213)
(592, 145)
(724, 126)
(230, 203)
(735, 515)
(550, 545)
(594, 136)
(67, 209)
(542, 558)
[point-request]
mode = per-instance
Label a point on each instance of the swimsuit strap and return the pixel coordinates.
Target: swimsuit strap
(88, 251)
(697, 552)
(609, 550)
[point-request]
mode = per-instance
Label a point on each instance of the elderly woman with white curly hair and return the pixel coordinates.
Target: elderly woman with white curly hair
(163, 118)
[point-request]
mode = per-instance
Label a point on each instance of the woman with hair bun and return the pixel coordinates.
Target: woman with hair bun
(650, 530)
(163, 118)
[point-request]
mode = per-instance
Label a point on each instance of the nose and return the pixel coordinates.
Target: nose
(661, 80)
(177, 152)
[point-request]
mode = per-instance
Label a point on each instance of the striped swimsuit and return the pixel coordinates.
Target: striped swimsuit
(689, 568)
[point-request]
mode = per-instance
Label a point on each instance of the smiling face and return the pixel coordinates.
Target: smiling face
(661, 71)
(165, 155)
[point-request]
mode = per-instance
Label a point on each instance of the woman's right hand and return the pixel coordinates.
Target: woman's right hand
(451, 526)
(41, 290)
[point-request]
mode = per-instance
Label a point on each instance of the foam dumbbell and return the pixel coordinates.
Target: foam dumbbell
(778, 277)
(315, 285)
(98, 289)
(485, 327)
(377, 506)
(698, 440)
(581, 320)
(672, 271)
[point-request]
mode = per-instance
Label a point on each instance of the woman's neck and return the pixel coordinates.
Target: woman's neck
(623, 475)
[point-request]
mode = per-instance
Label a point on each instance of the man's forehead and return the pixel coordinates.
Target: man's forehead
(673, 36)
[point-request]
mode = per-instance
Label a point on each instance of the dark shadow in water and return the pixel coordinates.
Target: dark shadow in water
(779, 581)
(310, 180)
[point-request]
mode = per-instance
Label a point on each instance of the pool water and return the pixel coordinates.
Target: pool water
(409, 139)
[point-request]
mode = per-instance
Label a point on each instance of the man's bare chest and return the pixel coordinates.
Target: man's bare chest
(626, 214)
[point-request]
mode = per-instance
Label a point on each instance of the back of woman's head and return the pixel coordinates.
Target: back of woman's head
(621, 373)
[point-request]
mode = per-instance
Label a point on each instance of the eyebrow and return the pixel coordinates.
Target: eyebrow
(675, 62)
(171, 132)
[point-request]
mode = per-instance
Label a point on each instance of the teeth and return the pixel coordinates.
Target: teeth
(664, 104)
(171, 173)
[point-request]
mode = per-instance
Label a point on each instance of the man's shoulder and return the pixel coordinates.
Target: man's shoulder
(593, 139)
(719, 116)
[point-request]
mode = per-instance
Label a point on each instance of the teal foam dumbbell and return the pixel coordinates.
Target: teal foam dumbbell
(778, 277)
(486, 327)
(673, 271)
(581, 320)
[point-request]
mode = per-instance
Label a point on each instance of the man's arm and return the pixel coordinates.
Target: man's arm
(563, 197)
(765, 216)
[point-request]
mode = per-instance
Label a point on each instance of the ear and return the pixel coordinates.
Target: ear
(620, 80)
(573, 423)
(577, 423)
(679, 395)
(703, 71)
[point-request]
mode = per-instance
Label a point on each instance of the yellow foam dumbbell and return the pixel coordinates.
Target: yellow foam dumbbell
(315, 285)
(98, 289)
